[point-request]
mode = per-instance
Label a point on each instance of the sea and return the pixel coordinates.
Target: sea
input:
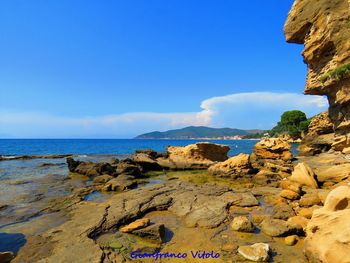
(15, 147)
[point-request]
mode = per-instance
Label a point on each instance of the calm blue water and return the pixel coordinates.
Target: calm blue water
(104, 146)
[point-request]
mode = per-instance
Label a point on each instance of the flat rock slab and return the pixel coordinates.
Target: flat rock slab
(73, 241)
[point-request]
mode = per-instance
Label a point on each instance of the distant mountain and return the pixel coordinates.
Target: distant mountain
(194, 132)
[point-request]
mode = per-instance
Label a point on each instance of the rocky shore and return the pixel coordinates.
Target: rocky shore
(195, 204)
(266, 206)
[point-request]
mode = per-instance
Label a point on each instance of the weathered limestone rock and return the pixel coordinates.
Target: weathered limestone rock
(273, 148)
(233, 167)
(330, 168)
(147, 160)
(308, 200)
(102, 178)
(320, 136)
(312, 145)
(291, 186)
(129, 167)
(256, 252)
(194, 156)
(320, 124)
(121, 183)
(283, 211)
(304, 175)
(242, 224)
(322, 26)
(299, 220)
(155, 232)
(328, 238)
(90, 169)
(289, 194)
(279, 228)
(306, 212)
(137, 224)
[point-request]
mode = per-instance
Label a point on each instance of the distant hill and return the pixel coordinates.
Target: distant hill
(194, 132)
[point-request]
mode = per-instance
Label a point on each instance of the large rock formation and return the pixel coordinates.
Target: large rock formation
(273, 148)
(320, 136)
(323, 27)
(194, 156)
(272, 157)
(328, 235)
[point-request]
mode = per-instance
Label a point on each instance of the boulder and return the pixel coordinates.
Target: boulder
(137, 224)
(273, 148)
(121, 183)
(289, 194)
(129, 167)
(101, 179)
(311, 199)
(246, 199)
(298, 220)
(242, 224)
(194, 156)
(155, 232)
(236, 166)
(282, 211)
(304, 175)
(330, 225)
(291, 186)
(256, 252)
(90, 169)
(147, 160)
(279, 228)
(305, 212)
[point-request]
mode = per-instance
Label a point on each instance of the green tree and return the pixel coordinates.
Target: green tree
(293, 122)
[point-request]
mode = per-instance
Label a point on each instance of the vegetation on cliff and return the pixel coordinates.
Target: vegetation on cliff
(337, 73)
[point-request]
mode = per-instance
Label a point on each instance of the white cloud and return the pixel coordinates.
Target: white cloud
(240, 110)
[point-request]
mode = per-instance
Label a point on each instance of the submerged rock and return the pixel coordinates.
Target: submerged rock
(279, 228)
(283, 211)
(256, 252)
(155, 232)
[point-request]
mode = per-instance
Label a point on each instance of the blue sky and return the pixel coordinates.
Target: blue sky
(114, 69)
